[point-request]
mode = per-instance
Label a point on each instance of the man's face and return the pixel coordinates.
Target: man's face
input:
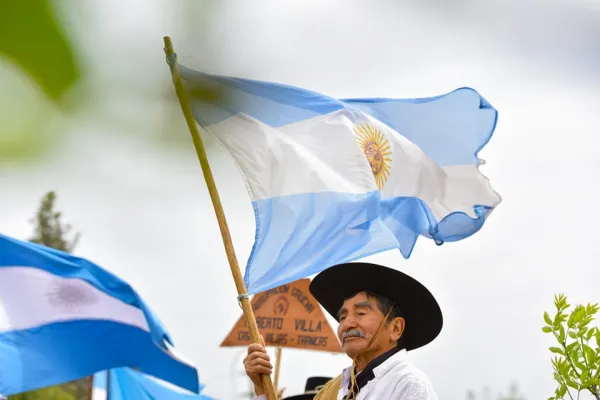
(360, 318)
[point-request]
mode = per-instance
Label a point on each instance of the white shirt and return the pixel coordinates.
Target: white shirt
(395, 379)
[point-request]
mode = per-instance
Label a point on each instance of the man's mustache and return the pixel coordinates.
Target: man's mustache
(352, 333)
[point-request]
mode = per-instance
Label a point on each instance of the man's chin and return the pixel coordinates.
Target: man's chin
(352, 348)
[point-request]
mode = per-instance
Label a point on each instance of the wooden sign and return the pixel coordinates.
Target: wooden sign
(287, 316)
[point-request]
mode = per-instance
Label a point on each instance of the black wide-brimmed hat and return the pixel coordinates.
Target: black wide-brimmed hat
(313, 385)
(421, 311)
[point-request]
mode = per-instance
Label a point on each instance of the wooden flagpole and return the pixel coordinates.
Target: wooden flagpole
(277, 367)
(90, 387)
(214, 195)
(108, 384)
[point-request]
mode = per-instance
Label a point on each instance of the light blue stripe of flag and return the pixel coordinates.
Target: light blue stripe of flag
(126, 384)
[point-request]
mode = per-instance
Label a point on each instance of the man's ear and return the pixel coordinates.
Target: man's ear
(397, 326)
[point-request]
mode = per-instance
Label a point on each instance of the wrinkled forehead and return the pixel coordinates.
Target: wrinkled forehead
(358, 300)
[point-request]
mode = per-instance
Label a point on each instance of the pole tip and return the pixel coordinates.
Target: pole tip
(168, 45)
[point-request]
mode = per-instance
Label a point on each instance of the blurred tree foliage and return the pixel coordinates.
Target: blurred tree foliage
(51, 393)
(50, 231)
(33, 41)
(31, 37)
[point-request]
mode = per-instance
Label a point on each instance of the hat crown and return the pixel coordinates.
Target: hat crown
(315, 383)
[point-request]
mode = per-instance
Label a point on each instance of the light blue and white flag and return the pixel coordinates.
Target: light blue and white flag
(126, 384)
(63, 318)
(335, 180)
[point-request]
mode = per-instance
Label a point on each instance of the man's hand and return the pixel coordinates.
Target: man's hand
(257, 363)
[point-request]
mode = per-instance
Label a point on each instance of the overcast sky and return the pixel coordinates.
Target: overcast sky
(145, 214)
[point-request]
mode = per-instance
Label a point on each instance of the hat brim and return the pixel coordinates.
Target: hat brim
(303, 396)
(421, 311)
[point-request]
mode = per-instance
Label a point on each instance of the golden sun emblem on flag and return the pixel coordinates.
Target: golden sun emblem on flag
(377, 149)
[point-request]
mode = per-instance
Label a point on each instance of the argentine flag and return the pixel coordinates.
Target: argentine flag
(126, 384)
(335, 180)
(63, 318)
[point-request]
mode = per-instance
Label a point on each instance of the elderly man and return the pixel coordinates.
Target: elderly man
(382, 314)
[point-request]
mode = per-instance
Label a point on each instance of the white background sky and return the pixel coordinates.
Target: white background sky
(145, 214)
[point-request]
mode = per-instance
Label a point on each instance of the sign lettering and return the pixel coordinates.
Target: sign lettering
(269, 323)
(312, 340)
(287, 316)
(265, 296)
(307, 326)
(303, 299)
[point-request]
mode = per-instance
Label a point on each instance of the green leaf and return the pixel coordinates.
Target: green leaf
(562, 318)
(557, 299)
(547, 329)
(578, 364)
(571, 321)
(554, 361)
(31, 37)
(579, 313)
(562, 390)
(586, 321)
(564, 367)
(572, 346)
(587, 384)
(547, 318)
(557, 350)
(561, 335)
(581, 332)
(560, 302)
(556, 320)
(589, 334)
(572, 335)
(590, 354)
(571, 383)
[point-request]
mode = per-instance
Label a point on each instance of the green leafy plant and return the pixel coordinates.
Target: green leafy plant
(576, 360)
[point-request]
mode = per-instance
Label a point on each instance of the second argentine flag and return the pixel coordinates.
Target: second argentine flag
(335, 180)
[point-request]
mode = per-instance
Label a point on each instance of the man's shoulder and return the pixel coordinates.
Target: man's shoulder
(412, 381)
(411, 372)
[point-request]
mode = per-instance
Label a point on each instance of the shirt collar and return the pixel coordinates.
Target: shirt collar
(401, 357)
